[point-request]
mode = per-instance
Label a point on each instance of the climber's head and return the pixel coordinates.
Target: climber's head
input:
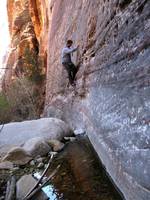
(69, 43)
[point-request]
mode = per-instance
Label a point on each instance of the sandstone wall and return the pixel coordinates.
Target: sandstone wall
(28, 26)
(112, 97)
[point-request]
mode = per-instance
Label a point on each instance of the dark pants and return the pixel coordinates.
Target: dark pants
(72, 70)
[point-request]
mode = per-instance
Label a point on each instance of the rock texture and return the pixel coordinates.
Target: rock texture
(31, 131)
(37, 147)
(24, 185)
(56, 145)
(23, 39)
(27, 54)
(6, 165)
(112, 97)
(28, 26)
(17, 156)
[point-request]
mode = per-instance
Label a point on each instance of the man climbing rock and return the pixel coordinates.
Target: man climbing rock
(67, 62)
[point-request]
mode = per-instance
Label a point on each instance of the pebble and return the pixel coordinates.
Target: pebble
(72, 139)
(32, 163)
(40, 165)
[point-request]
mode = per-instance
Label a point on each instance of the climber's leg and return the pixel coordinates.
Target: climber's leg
(68, 67)
(74, 70)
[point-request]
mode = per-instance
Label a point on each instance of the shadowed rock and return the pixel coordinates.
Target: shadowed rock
(24, 185)
(56, 145)
(36, 146)
(17, 156)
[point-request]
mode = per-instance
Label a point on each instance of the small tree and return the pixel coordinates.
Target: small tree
(22, 99)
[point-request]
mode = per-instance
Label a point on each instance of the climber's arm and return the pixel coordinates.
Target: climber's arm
(69, 50)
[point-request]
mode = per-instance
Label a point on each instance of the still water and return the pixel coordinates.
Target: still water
(81, 175)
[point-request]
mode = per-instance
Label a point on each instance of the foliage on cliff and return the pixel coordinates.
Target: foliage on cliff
(4, 109)
(24, 97)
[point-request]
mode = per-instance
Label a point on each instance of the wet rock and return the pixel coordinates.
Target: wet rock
(24, 185)
(56, 145)
(36, 146)
(6, 165)
(17, 156)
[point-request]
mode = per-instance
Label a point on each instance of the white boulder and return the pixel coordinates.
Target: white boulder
(19, 132)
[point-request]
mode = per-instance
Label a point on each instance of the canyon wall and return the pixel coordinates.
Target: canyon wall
(111, 101)
(29, 22)
(28, 26)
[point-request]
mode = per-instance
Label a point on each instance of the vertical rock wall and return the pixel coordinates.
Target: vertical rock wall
(22, 38)
(28, 26)
(27, 56)
(112, 97)
(41, 19)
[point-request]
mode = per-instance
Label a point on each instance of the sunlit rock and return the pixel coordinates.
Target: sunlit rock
(46, 128)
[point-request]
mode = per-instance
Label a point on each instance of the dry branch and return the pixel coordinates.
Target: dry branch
(43, 184)
(40, 180)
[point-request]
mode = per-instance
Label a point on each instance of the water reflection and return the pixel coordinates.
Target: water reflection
(81, 176)
(48, 190)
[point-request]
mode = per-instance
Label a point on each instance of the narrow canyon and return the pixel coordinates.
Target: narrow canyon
(111, 100)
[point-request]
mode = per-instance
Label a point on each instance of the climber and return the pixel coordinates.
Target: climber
(67, 62)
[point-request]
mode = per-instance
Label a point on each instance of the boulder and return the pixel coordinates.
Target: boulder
(17, 156)
(20, 132)
(24, 185)
(56, 145)
(4, 149)
(36, 146)
(6, 165)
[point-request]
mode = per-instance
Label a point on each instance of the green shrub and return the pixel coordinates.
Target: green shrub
(22, 100)
(24, 97)
(5, 109)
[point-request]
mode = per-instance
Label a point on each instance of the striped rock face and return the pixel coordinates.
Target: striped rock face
(112, 95)
(111, 101)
